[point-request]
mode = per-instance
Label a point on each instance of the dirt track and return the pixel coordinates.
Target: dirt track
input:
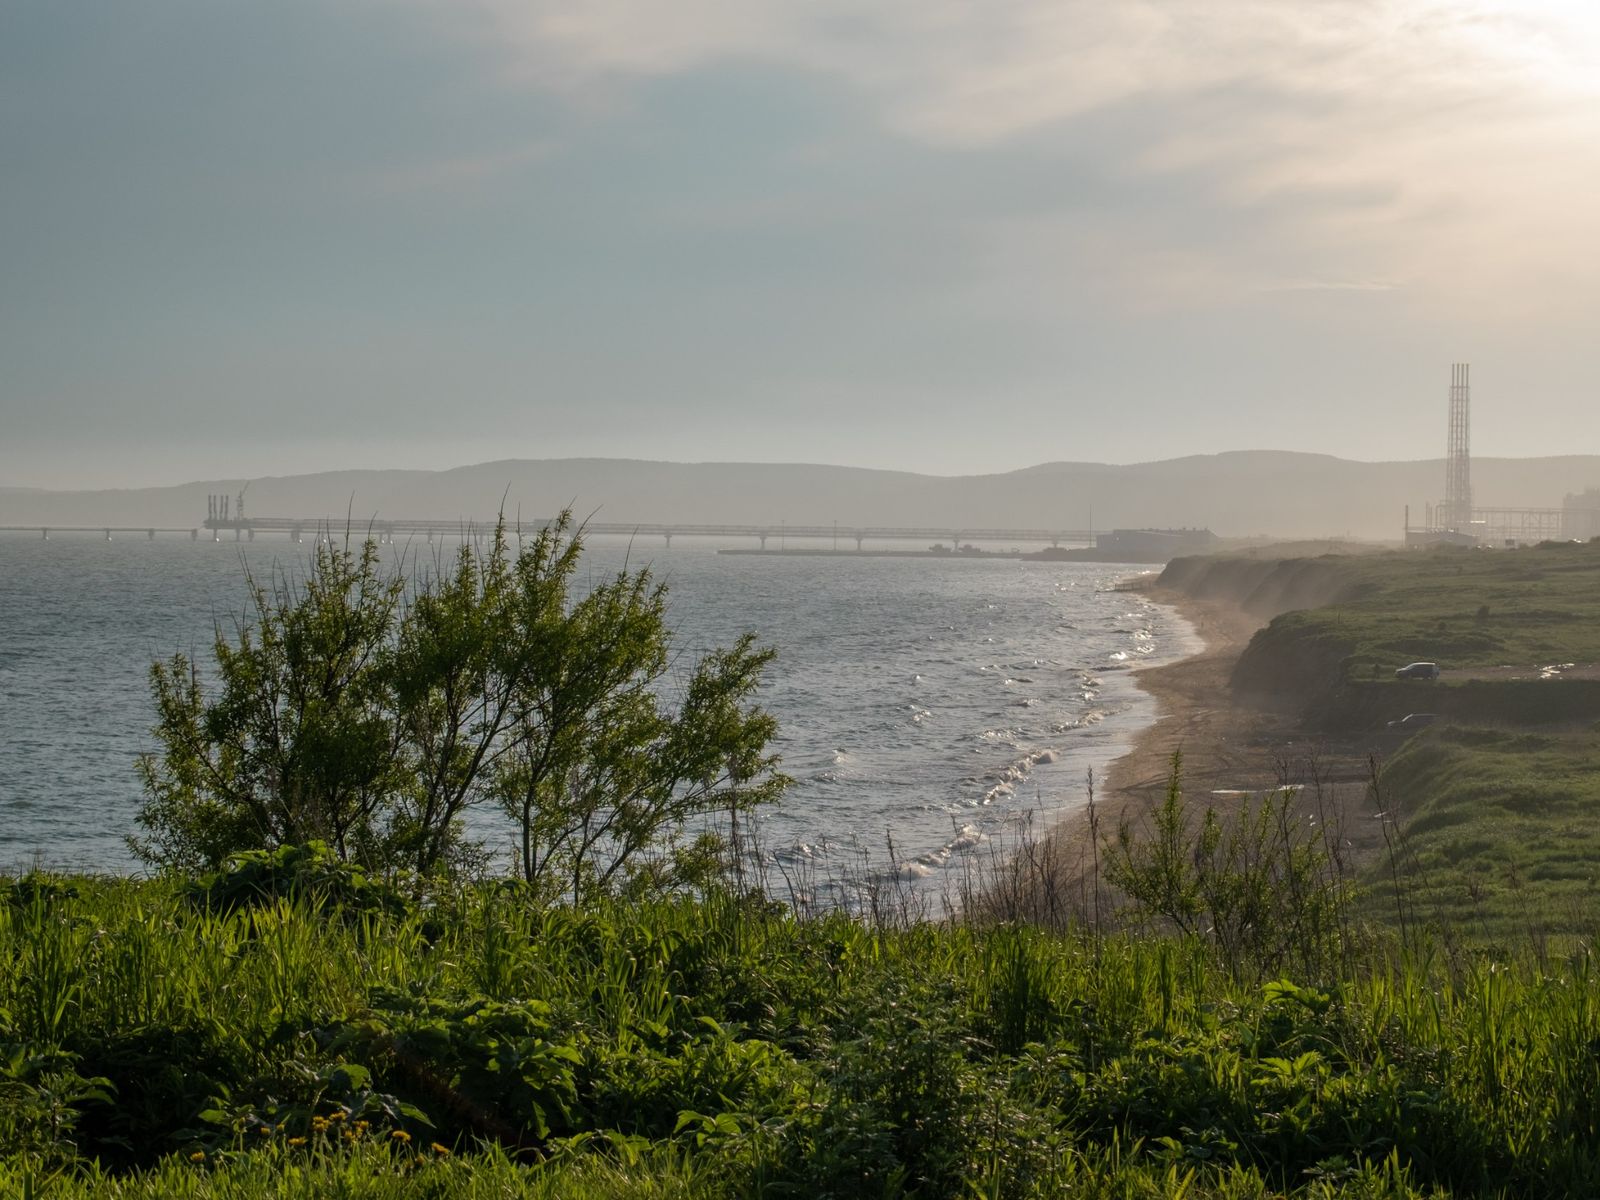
(1541, 671)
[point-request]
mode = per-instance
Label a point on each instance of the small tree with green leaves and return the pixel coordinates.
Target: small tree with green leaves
(370, 709)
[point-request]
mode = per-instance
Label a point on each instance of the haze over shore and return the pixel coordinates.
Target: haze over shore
(1242, 494)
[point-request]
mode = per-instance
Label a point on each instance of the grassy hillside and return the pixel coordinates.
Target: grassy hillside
(1472, 612)
(1501, 834)
(484, 1047)
(1495, 811)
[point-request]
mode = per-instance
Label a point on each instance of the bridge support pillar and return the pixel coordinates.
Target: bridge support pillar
(108, 535)
(151, 534)
(668, 536)
(763, 538)
(252, 535)
(859, 540)
(194, 535)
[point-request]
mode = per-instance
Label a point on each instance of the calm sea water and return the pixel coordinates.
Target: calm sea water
(928, 701)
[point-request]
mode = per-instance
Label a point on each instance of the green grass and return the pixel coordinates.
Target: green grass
(1356, 618)
(721, 1048)
(1502, 832)
(1498, 809)
(1467, 608)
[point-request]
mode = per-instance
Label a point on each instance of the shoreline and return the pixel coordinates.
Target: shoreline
(1195, 708)
(1195, 712)
(1232, 749)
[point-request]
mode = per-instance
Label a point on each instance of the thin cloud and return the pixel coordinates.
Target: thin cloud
(460, 173)
(1366, 134)
(1330, 285)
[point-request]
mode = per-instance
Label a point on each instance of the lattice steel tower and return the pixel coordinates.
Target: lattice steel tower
(1458, 467)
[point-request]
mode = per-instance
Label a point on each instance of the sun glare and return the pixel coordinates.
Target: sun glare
(1557, 41)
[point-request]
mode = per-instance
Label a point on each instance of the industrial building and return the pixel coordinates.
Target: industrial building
(1457, 521)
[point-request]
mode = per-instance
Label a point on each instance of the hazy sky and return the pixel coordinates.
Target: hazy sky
(256, 238)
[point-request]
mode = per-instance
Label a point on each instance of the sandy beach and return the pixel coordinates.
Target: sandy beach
(1195, 710)
(1229, 746)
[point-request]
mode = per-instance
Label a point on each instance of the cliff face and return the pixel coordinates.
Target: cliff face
(1290, 656)
(1264, 587)
(1339, 625)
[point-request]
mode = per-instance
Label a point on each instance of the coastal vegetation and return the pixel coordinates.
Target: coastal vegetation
(291, 1033)
(1492, 814)
(330, 987)
(1343, 623)
(374, 708)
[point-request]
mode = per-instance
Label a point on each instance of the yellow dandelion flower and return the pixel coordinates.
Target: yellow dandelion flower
(441, 1151)
(198, 1156)
(361, 1126)
(337, 1116)
(319, 1124)
(399, 1135)
(265, 1130)
(297, 1141)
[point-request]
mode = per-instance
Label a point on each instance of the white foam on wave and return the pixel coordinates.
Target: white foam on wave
(967, 837)
(1015, 774)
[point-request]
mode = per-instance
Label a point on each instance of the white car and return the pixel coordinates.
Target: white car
(1422, 670)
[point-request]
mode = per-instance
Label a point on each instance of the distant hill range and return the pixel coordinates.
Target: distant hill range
(1238, 494)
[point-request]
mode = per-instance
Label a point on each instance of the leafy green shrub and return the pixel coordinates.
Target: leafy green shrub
(39, 889)
(311, 874)
(162, 1078)
(910, 1107)
(43, 1099)
(645, 1084)
(483, 1068)
(321, 1102)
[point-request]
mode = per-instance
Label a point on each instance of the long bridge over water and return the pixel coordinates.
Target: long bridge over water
(296, 528)
(221, 523)
(108, 531)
